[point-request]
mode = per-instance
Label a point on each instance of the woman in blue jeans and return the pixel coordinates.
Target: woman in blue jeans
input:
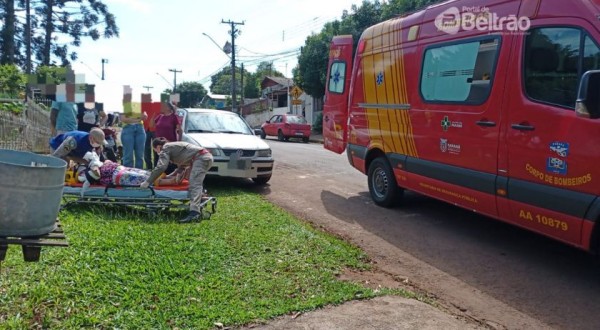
(133, 138)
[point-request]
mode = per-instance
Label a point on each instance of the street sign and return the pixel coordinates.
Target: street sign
(296, 92)
(296, 102)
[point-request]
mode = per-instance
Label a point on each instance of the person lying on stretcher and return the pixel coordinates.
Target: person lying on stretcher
(111, 173)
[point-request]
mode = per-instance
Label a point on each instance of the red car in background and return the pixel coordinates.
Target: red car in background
(286, 126)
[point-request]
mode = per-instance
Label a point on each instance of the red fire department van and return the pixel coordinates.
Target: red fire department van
(492, 106)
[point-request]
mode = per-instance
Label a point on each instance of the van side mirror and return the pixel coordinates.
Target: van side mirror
(588, 97)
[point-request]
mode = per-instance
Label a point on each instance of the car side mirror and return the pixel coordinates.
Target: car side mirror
(268, 121)
(588, 97)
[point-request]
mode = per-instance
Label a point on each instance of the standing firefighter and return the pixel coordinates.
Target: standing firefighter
(183, 154)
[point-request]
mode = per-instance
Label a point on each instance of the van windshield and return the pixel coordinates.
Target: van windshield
(206, 122)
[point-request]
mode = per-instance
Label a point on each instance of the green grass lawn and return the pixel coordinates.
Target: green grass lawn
(250, 262)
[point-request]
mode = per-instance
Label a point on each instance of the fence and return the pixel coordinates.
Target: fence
(25, 131)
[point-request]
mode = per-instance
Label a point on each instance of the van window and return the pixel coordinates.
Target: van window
(554, 63)
(459, 72)
(337, 79)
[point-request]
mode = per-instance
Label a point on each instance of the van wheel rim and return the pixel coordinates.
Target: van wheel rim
(380, 183)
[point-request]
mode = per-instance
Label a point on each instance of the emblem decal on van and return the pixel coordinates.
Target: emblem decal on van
(452, 148)
(560, 148)
(379, 80)
(444, 145)
(556, 165)
(446, 123)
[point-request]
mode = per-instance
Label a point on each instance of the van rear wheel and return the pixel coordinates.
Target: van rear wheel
(383, 187)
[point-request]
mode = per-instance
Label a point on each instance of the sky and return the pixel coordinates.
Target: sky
(156, 36)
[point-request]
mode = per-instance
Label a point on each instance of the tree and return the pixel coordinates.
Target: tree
(220, 83)
(252, 80)
(8, 32)
(310, 74)
(251, 91)
(72, 19)
(312, 65)
(314, 55)
(55, 25)
(12, 81)
(190, 94)
(396, 7)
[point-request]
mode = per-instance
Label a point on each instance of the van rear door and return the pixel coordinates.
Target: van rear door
(335, 110)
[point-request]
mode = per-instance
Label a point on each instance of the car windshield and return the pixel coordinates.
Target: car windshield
(296, 120)
(207, 122)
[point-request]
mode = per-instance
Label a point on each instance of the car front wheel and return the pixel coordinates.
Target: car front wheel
(382, 183)
(280, 136)
(263, 135)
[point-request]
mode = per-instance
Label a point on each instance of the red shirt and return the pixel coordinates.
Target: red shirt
(153, 111)
(166, 126)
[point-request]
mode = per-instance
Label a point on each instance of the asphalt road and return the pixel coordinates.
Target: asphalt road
(489, 270)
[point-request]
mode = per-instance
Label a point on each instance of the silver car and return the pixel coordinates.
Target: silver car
(237, 151)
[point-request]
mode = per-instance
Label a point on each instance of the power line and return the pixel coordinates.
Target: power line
(165, 79)
(87, 66)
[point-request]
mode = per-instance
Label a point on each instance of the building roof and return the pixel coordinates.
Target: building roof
(250, 101)
(217, 96)
(281, 80)
(276, 84)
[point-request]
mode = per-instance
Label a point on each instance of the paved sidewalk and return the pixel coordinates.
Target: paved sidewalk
(317, 138)
(388, 312)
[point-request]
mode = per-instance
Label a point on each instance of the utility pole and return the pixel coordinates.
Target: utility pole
(234, 33)
(147, 88)
(242, 88)
(174, 78)
(103, 61)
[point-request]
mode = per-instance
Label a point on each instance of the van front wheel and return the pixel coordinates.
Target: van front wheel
(382, 183)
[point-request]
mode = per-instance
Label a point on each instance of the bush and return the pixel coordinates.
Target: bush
(13, 107)
(12, 81)
(318, 124)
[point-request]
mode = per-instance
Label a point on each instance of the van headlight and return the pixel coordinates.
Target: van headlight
(264, 153)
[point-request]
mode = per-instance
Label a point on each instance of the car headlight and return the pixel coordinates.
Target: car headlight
(215, 151)
(264, 153)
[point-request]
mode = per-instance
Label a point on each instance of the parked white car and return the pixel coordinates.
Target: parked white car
(237, 151)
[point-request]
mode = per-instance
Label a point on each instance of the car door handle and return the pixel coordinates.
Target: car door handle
(522, 127)
(485, 123)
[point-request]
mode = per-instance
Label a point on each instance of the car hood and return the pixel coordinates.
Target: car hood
(227, 141)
